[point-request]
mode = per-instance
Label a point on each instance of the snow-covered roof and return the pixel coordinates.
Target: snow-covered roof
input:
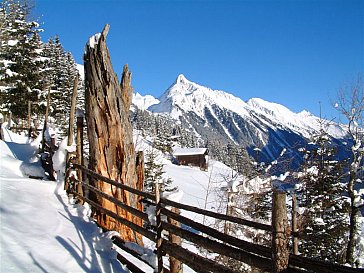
(189, 151)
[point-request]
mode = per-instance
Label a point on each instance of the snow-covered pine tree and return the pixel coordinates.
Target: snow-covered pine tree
(153, 173)
(61, 71)
(163, 128)
(324, 221)
(20, 57)
(163, 142)
(81, 94)
(3, 63)
(71, 73)
(56, 75)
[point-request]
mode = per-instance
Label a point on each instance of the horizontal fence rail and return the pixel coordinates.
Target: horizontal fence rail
(217, 215)
(320, 266)
(244, 245)
(196, 262)
(146, 233)
(220, 248)
(114, 183)
(116, 201)
(255, 255)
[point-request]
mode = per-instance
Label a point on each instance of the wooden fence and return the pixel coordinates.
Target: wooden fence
(171, 227)
(22, 125)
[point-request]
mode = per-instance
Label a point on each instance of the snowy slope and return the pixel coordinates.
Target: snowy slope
(303, 123)
(43, 231)
(40, 230)
(196, 187)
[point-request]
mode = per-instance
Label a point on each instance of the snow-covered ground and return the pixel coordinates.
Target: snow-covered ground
(196, 187)
(40, 229)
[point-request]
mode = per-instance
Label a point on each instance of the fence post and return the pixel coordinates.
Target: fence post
(30, 129)
(29, 113)
(9, 120)
(1, 126)
(159, 230)
(280, 251)
(175, 266)
(79, 153)
(229, 209)
(46, 119)
(30, 132)
(294, 224)
(70, 133)
(139, 166)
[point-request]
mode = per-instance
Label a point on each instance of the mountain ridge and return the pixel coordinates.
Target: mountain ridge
(254, 124)
(178, 95)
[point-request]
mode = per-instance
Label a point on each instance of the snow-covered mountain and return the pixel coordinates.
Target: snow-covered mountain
(255, 124)
(143, 102)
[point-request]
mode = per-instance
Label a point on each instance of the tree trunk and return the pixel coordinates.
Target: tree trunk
(112, 151)
(353, 214)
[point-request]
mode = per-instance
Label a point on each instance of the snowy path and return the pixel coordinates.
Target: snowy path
(40, 231)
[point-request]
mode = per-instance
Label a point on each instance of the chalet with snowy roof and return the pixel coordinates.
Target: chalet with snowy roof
(192, 157)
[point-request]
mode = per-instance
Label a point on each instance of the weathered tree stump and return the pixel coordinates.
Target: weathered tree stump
(112, 152)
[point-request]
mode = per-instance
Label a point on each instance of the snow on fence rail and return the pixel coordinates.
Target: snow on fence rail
(168, 235)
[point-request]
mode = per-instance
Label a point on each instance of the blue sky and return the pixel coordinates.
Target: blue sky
(296, 53)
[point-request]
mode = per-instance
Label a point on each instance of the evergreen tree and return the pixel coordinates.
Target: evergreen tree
(321, 195)
(3, 62)
(61, 72)
(163, 142)
(163, 129)
(20, 57)
(154, 174)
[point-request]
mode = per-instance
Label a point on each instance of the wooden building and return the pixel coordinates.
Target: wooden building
(192, 157)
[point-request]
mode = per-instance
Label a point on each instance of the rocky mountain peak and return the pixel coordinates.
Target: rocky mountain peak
(181, 79)
(215, 114)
